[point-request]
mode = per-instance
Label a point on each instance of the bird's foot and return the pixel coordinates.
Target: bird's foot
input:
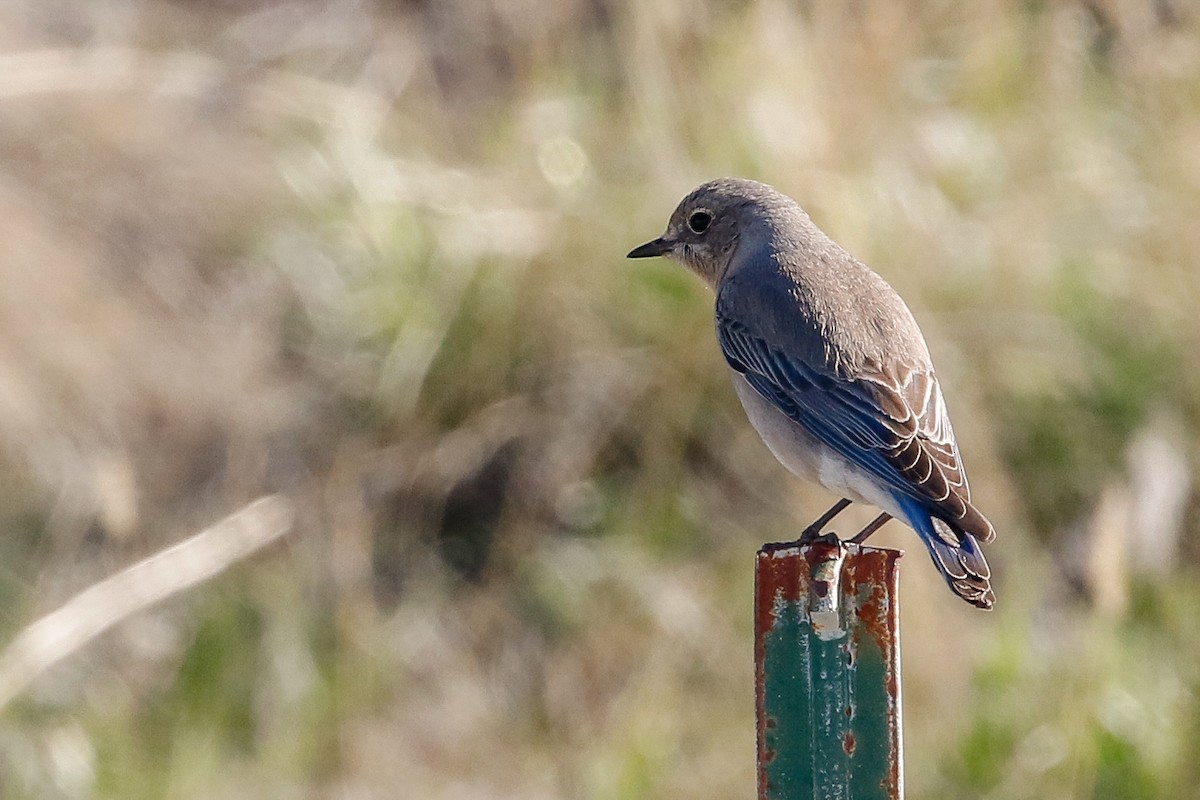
(813, 532)
(809, 535)
(873, 526)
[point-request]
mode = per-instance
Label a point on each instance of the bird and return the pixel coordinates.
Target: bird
(832, 370)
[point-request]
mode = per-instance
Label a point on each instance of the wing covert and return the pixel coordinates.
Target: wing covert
(894, 426)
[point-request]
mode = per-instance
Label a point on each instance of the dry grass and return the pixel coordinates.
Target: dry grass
(370, 256)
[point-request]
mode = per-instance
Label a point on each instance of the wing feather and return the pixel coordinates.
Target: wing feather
(895, 426)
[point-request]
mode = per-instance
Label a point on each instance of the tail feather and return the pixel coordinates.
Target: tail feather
(958, 557)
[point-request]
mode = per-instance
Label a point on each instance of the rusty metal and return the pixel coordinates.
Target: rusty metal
(827, 661)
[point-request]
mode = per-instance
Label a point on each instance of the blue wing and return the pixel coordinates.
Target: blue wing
(894, 429)
(834, 411)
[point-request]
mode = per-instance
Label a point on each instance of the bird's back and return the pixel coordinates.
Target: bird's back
(812, 296)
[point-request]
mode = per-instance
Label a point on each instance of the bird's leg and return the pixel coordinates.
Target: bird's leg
(872, 526)
(814, 530)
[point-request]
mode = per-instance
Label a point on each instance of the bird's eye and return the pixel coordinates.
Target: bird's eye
(699, 221)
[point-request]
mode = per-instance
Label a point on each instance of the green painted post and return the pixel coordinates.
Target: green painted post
(827, 659)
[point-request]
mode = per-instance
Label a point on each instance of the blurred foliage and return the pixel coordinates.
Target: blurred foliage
(1062, 443)
(371, 255)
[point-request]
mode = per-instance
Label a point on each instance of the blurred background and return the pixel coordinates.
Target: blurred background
(370, 255)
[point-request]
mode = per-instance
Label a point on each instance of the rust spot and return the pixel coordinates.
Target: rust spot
(875, 575)
(780, 580)
(876, 569)
(783, 576)
(880, 616)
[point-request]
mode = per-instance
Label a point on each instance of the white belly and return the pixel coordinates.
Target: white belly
(807, 457)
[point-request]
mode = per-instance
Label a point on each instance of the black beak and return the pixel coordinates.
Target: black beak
(656, 247)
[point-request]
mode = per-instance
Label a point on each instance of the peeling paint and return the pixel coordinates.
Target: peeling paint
(827, 667)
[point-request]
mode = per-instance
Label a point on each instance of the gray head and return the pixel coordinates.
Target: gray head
(707, 225)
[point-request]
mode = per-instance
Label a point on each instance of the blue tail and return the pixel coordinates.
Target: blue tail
(955, 554)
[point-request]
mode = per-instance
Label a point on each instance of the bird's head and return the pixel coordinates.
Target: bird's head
(707, 225)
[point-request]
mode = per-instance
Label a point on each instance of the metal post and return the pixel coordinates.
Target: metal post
(827, 668)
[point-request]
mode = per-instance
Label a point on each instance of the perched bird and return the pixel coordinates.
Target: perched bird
(832, 370)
